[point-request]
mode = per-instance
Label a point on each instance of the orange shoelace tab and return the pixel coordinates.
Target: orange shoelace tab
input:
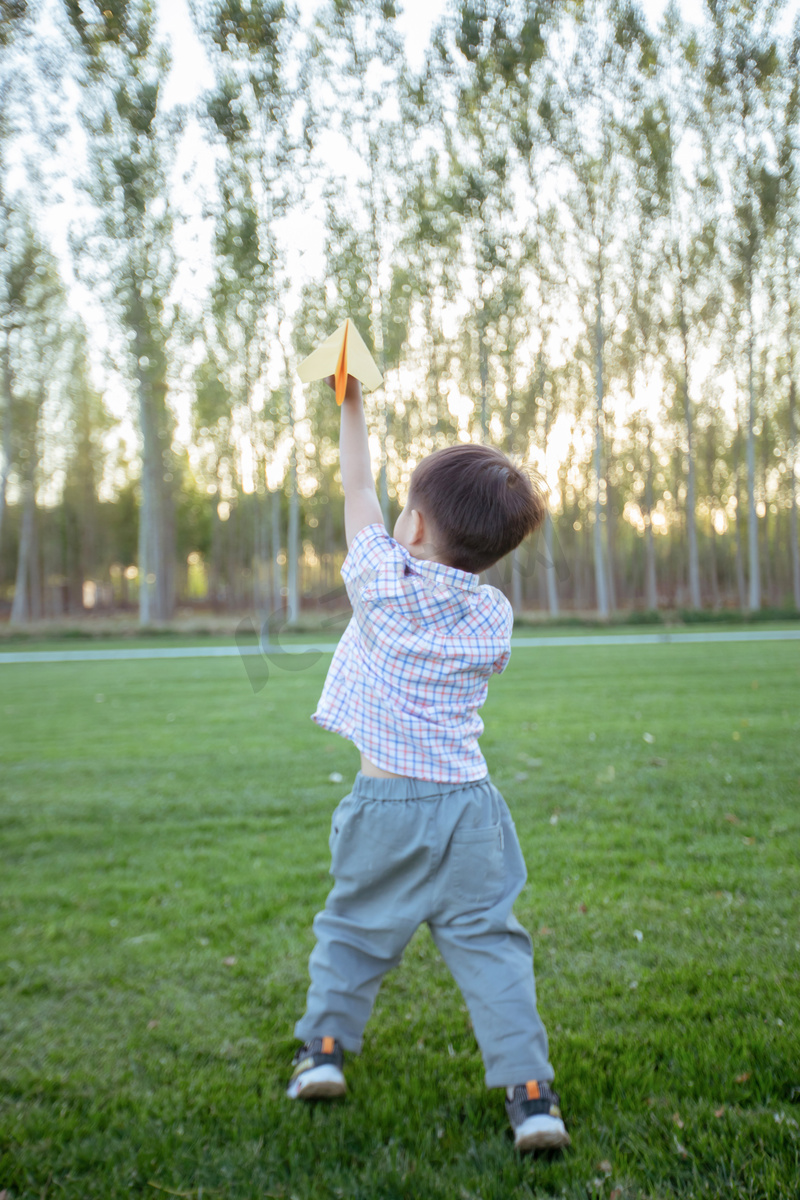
(533, 1090)
(327, 1048)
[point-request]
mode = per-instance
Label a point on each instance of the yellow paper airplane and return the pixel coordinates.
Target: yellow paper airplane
(340, 355)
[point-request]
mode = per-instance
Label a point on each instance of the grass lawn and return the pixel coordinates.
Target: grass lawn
(164, 850)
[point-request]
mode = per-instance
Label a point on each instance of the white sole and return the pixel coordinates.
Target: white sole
(318, 1083)
(541, 1133)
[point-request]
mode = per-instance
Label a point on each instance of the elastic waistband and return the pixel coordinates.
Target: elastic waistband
(374, 788)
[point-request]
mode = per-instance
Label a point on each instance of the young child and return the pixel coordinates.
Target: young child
(425, 835)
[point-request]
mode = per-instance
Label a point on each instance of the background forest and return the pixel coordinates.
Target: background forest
(572, 232)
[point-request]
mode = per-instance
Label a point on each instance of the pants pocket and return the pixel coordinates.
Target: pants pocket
(476, 862)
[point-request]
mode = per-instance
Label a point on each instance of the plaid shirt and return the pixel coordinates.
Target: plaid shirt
(413, 666)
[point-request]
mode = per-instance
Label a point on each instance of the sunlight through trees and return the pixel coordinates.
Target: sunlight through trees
(570, 232)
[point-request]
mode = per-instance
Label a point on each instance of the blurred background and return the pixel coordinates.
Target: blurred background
(568, 229)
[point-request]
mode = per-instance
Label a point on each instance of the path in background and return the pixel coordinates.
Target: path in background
(520, 643)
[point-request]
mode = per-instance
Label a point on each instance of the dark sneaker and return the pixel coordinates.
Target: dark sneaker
(535, 1117)
(317, 1070)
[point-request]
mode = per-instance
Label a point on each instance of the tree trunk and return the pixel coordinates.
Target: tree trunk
(754, 591)
(516, 581)
(795, 550)
(156, 518)
(256, 558)
(483, 367)
(767, 574)
(599, 565)
(26, 605)
(552, 582)
(695, 598)
(217, 563)
(713, 570)
(5, 470)
(383, 477)
(740, 581)
(275, 537)
(711, 458)
(651, 584)
(260, 554)
(166, 536)
(611, 582)
(293, 543)
(793, 431)
(156, 525)
(148, 510)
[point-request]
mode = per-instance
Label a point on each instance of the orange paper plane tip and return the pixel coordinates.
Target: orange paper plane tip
(343, 353)
(341, 368)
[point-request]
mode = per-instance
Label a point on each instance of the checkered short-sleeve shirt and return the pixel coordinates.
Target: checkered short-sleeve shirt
(413, 666)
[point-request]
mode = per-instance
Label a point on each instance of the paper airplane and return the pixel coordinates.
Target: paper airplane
(340, 355)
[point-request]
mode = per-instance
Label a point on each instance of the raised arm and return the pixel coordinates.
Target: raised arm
(361, 505)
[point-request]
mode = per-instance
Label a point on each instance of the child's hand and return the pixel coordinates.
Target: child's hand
(352, 389)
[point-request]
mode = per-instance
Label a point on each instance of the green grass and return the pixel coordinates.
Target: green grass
(164, 849)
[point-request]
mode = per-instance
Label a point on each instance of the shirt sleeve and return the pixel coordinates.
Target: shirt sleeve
(501, 662)
(370, 551)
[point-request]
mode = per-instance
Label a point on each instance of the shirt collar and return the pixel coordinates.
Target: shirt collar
(439, 573)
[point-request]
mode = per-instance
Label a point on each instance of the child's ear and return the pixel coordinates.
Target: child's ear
(417, 533)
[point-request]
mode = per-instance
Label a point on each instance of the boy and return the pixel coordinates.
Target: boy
(425, 835)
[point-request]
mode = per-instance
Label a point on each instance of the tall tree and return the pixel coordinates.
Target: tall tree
(479, 143)
(235, 335)
(788, 252)
(13, 24)
(689, 207)
(593, 68)
(359, 45)
(424, 284)
(646, 135)
(129, 253)
(345, 291)
(259, 99)
(87, 423)
(35, 289)
(522, 61)
(742, 71)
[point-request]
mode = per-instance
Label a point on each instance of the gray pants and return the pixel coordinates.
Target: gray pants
(406, 851)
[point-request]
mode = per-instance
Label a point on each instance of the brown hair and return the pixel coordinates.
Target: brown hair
(481, 504)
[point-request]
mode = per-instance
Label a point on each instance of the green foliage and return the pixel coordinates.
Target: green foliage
(12, 14)
(400, 301)
(651, 143)
(34, 320)
(248, 110)
(138, 110)
(630, 32)
(111, 23)
(254, 27)
(563, 203)
(193, 515)
(213, 401)
(470, 33)
(224, 107)
(123, 522)
(128, 256)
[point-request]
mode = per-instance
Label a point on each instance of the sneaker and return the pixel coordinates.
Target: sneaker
(535, 1117)
(317, 1070)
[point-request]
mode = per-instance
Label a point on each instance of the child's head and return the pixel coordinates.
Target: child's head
(468, 506)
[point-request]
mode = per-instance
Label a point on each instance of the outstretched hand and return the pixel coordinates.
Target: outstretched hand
(352, 389)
